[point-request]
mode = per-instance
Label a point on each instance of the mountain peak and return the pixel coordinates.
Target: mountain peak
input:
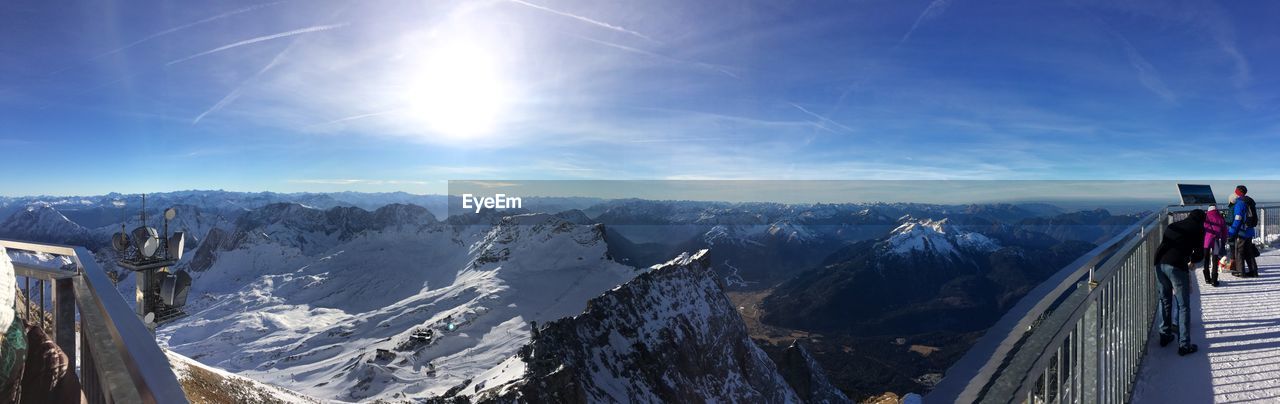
(934, 236)
(669, 335)
(529, 233)
(685, 259)
(41, 221)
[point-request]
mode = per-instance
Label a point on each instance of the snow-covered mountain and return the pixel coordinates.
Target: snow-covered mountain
(366, 297)
(926, 274)
(341, 305)
(42, 222)
(669, 335)
(108, 210)
(936, 237)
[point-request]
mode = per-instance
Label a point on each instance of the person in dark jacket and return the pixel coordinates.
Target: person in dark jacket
(1180, 246)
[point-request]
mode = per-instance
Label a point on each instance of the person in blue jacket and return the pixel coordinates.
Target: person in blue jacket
(1241, 233)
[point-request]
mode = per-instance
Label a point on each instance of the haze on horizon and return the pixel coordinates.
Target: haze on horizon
(1067, 194)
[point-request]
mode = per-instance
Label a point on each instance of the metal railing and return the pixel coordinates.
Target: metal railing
(1080, 336)
(119, 359)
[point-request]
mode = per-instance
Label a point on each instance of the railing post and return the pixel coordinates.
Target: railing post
(64, 317)
(1089, 353)
(1262, 225)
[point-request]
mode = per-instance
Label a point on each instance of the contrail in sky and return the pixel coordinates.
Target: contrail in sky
(235, 94)
(173, 30)
(189, 25)
(935, 9)
(361, 116)
(821, 118)
(585, 19)
(286, 34)
(704, 65)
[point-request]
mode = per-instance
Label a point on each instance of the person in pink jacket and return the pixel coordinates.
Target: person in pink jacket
(1215, 234)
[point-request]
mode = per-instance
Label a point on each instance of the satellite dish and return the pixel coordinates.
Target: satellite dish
(175, 244)
(147, 240)
(168, 285)
(149, 318)
(170, 213)
(149, 248)
(174, 288)
(120, 241)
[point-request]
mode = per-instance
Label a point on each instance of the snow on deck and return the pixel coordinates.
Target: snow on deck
(1237, 326)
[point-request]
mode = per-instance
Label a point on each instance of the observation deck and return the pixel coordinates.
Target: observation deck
(1086, 335)
(119, 360)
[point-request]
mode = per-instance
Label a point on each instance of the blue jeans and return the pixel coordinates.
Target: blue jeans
(1174, 288)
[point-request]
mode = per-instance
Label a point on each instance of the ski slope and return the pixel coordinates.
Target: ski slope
(1237, 326)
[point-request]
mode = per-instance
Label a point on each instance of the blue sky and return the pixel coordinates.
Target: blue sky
(385, 95)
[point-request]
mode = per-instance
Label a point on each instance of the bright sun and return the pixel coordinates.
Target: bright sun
(458, 91)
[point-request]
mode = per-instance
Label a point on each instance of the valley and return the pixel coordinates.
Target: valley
(394, 303)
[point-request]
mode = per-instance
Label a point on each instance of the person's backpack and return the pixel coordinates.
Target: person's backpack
(1251, 215)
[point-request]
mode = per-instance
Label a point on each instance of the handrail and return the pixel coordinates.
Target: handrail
(120, 360)
(984, 360)
(1075, 338)
(1079, 309)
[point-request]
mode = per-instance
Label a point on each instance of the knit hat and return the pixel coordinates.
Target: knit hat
(1213, 208)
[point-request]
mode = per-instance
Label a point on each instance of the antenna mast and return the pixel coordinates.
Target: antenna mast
(161, 293)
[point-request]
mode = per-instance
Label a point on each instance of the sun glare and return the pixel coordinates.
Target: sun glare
(458, 91)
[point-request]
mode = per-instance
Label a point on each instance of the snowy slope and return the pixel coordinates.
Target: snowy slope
(353, 312)
(669, 335)
(42, 222)
(915, 236)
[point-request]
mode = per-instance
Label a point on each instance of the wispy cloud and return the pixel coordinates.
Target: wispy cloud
(486, 184)
(208, 152)
(353, 181)
(8, 141)
(468, 170)
(1147, 74)
(185, 26)
(357, 117)
(594, 22)
(823, 121)
(263, 38)
(679, 140)
(1216, 23)
(163, 33)
(1208, 18)
(932, 11)
(235, 93)
(718, 68)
